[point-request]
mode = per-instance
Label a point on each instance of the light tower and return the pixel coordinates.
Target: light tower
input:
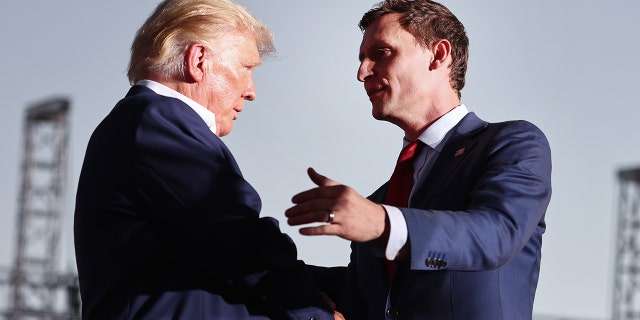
(37, 289)
(626, 291)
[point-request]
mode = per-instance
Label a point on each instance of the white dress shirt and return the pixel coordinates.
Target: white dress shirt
(207, 116)
(434, 138)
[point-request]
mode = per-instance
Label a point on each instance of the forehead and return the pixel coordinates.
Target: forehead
(240, 44)
(386, 30)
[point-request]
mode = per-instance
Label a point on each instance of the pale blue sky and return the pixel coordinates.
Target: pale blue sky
(568, 66)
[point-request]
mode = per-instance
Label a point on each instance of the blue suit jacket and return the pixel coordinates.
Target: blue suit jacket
(166, 227)
(474, 232)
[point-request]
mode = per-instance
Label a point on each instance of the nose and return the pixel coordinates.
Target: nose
(365, 70)
(250, 92)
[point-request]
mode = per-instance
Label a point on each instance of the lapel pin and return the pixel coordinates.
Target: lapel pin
(458, 153)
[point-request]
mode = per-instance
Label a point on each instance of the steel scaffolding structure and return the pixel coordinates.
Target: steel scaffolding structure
(37, 290)
(626, 291)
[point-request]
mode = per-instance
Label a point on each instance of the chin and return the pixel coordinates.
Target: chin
(225, 130)
(378, 114)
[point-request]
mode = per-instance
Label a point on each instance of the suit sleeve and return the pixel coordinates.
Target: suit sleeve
(489, 209)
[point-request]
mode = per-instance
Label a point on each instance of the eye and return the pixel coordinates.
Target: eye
(380, 54)
(250, 66)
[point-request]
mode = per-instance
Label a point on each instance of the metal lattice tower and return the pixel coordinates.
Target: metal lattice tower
(37, 290)
(626, 291)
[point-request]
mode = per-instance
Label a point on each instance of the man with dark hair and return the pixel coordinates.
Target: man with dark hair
(457, 231)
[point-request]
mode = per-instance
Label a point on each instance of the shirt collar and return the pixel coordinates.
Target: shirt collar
(434, 134)
(207, 116)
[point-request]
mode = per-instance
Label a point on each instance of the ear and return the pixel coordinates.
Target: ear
(441, 50)
(195, 62)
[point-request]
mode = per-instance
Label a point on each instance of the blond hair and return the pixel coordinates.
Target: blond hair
(160, 44)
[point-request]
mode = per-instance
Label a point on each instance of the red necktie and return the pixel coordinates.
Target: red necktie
(401, 183)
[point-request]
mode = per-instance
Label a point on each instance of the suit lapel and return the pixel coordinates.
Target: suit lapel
(461, 143)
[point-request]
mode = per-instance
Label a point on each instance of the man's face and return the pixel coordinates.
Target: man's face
(229, 79)
(394, 69)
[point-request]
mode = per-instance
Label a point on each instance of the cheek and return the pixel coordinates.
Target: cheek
(407, 79)
(219, 94)
(220, 84)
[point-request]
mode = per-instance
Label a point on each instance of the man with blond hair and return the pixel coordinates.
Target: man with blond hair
(166, 227)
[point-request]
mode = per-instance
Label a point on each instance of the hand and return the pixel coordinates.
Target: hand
(356, 218)
(336, 314)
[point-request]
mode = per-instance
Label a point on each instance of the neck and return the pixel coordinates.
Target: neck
(413, 130)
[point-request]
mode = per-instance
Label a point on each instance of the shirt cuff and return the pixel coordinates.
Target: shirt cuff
(397, 232)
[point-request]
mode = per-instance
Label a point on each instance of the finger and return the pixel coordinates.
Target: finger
(309, 217)
(325, 189)
(308, 203)
(318, 198)
(319, 179)
(305, 195)
(328, 300)
(322, 230)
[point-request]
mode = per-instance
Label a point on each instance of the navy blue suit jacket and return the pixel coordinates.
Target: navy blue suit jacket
(166, 227)
(474, 232)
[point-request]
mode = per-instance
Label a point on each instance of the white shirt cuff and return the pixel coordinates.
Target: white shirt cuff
(397, 232)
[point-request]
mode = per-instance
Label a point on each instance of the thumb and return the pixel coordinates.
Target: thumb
(319, 179)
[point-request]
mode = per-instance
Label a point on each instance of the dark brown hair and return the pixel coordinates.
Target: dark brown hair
(428, 21)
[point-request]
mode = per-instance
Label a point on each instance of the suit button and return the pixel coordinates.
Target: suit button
(314, 318)
(392, 313)
(435, 263)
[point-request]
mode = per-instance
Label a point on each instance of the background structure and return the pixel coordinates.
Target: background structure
(36, 290)
(626, 283)
(568, 66)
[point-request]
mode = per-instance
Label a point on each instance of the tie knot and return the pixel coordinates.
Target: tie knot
(409, 151)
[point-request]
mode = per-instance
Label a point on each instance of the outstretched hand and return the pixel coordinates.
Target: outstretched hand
(356, 218)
